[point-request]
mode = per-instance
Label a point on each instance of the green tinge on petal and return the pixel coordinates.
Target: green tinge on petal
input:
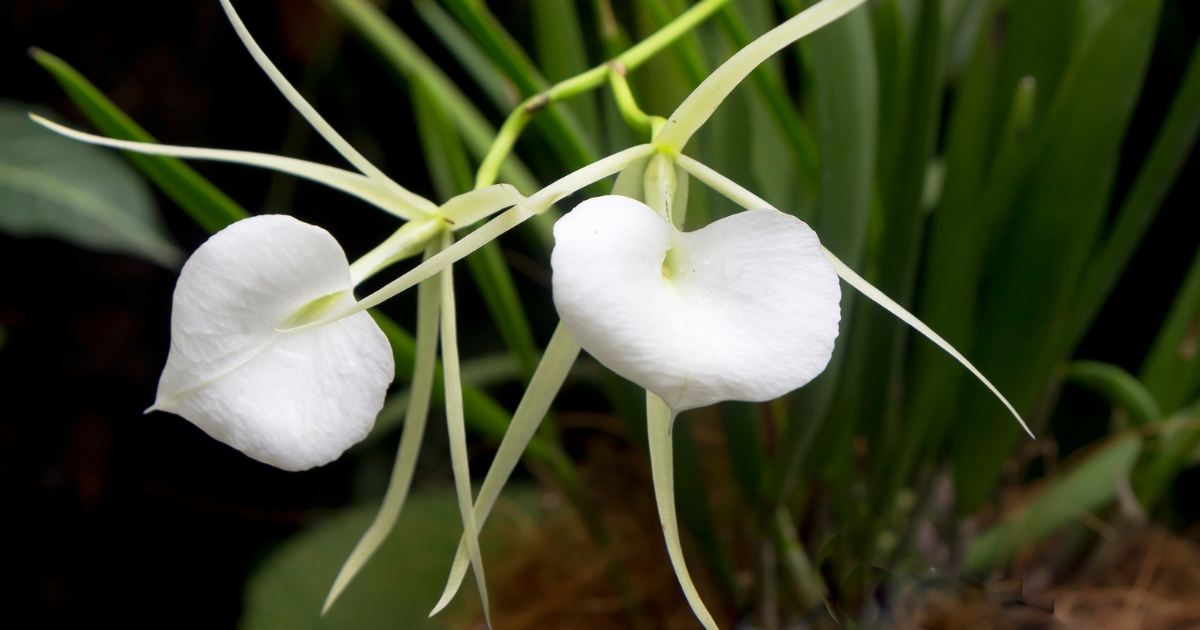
(346, 181)
(456, 428)
(318, 123)
(556, 363)
(428, 299)
(662, 468)
(750, 201)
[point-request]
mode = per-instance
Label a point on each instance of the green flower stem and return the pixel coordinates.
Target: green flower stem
(704, 100)
(637, 119)
(506, 138)
(587, 81)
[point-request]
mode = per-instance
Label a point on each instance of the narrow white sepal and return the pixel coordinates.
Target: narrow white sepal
(659, 421)
(310, 114)
(547, 380)
(408, 207)
(747, 199)
(457, 432)
(424, 363)
(292, 401)
(745, 309)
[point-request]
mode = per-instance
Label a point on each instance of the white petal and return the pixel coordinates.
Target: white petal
(292, 401)
(749, 310)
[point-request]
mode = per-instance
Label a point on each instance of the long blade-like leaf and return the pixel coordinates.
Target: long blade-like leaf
(210, 208)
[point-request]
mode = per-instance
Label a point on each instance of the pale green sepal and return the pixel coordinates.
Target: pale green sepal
(428, 298)
(722, 184)
(310, 114)
(631, 181)
(409, 240)
(457, 430)
(750, 201)
(877, 296)
(406, 206)
(469, 207)
(704, 100)
(556, 363)
(659, 419)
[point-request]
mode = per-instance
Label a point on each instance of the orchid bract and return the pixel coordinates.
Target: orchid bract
(272, 353)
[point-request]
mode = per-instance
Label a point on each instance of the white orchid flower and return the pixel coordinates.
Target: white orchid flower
(746, 308)
(292, 401)
(297, 398)
(272, 354)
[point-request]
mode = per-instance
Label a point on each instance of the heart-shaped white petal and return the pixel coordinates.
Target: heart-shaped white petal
(290, 400)
(745, 309)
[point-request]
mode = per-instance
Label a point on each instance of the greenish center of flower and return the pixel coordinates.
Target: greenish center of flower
(314, 310)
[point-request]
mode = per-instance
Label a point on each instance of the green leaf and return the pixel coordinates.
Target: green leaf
(1059, 211)
(908, 132)
(787, 130)
(844, 95)
(52, 186)
(1171, 148)
(210, 208)
(441, 146)
(1085, 489)
(395, 590)
(570, 141)
(977, 195)
(1172, 370)
(561, 53)
(1119, 387)
(1177, 441)
(385, 38)
(487, 76)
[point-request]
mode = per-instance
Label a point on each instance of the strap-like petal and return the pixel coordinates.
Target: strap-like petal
(339, 179)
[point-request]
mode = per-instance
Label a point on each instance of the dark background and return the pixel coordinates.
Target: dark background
(116, 519)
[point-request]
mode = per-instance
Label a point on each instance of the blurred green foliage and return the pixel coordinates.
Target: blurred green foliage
(961, 155)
